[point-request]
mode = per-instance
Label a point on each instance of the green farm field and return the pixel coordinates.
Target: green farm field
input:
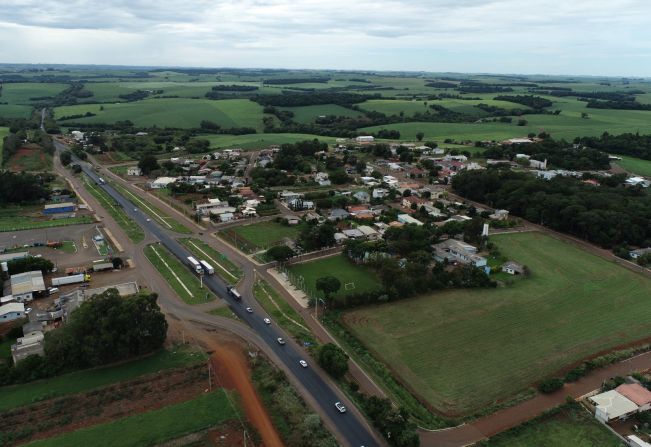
(635, 165)
(567, 426)
(25, 93)
(359, 278)
(262, 235)
(154, 427)
(186, 284)
(463, 350)
(4, 131)
(171, 112)
(79, 381)
(30, 159)
(15, 111)
(260, 140)
(308, 114)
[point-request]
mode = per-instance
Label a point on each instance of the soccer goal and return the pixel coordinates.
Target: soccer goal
(349, 286)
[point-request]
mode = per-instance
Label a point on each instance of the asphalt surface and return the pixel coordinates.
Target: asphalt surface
(350, 425)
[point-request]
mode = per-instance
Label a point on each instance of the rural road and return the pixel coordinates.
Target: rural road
(350, 428)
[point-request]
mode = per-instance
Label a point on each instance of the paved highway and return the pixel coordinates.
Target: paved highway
(351, 425)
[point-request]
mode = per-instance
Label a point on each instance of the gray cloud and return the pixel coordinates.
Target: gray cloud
(477, 35)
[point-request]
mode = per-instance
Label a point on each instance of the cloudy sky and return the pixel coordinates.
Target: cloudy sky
(592, 37)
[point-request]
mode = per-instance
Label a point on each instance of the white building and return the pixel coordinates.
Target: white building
(611, 405)
(537, 164)
(30, 344)
(25, 285)
(11, 312)
(162, 182)
(365, 139)
(407, 219)
(134, 171)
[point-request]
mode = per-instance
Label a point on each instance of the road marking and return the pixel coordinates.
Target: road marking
(214, 261)
(170, 269)
(144, 205)
(261, 284)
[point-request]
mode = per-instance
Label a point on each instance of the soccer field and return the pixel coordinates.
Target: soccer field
(462, 350)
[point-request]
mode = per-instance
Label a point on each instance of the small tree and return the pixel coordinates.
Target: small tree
(328, 285)
(334, 360)
(420, 136)
(280, 253)
(118, 263)
(148, 163)
(66, 158)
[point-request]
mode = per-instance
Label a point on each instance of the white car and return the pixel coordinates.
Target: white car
(267, 321)
(281, 341)
(28, 310)
(148, 220)
(135, 209)
(303, 363)
(340, 407)
(249, 310)
(52, 290)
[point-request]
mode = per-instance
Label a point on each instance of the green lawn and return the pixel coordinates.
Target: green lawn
(162, 218)
(308, 114)
(130, 227)
(464, 349)
(18, 223)
(568, 426)
(171, 112)
(186, 284)
(635, 166)
(259, 140)
(228, 271)
(153, 427)
(354, 278)
(224, 312)
(282, 313)
(260, 236)
(80, 381)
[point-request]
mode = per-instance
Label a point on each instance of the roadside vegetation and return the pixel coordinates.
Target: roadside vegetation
(130, 227)
(186, 284)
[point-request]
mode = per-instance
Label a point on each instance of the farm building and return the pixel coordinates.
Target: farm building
(25, 285)
(364, 139)
(11, 312)
(513, 268)
(454, 250)
(162, 182)
(57, 208)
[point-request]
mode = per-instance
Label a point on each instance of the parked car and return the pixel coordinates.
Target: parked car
(52, 290)
(340, 407)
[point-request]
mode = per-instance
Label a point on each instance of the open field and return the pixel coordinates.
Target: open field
(259, 140)
(166, 221)
(15, 111)
(462, 350)
(260, 236)
(307, 114)
(186, 284)
(30, 159)
(27, 92)
(568, 426)
(9, 222)
(354, 278)
(635, 165)
(170, 112)
(130, 227)
(153, 427)
(224, 268)
(282, 313)
(79, 381)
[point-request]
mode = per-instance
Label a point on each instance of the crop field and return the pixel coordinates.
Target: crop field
(79, 381)
(166, 221)
(130, 227)
(224, 268)
(170, 112)
(354, 278)
(23, 93)
(569, 426)
(4, 131)
(259, 140)
(462, 350)
(635, 165)
(308, 114)
(30, 159)
(153, 427)
(15, 111)
(263, 235)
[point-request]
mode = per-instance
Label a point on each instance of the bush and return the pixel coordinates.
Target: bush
(548, 386)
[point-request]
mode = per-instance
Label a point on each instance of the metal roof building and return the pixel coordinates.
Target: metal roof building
(24, 285)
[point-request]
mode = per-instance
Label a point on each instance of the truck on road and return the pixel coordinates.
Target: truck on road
(195, 265)
(71, 279)
(207, 268)
(234, 293)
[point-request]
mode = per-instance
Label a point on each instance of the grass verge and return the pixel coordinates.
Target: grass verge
(19, 223)
(153, 427)
(130, 227)
(177, 275)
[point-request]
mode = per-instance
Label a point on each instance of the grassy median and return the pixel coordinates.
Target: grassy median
(228, 271)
